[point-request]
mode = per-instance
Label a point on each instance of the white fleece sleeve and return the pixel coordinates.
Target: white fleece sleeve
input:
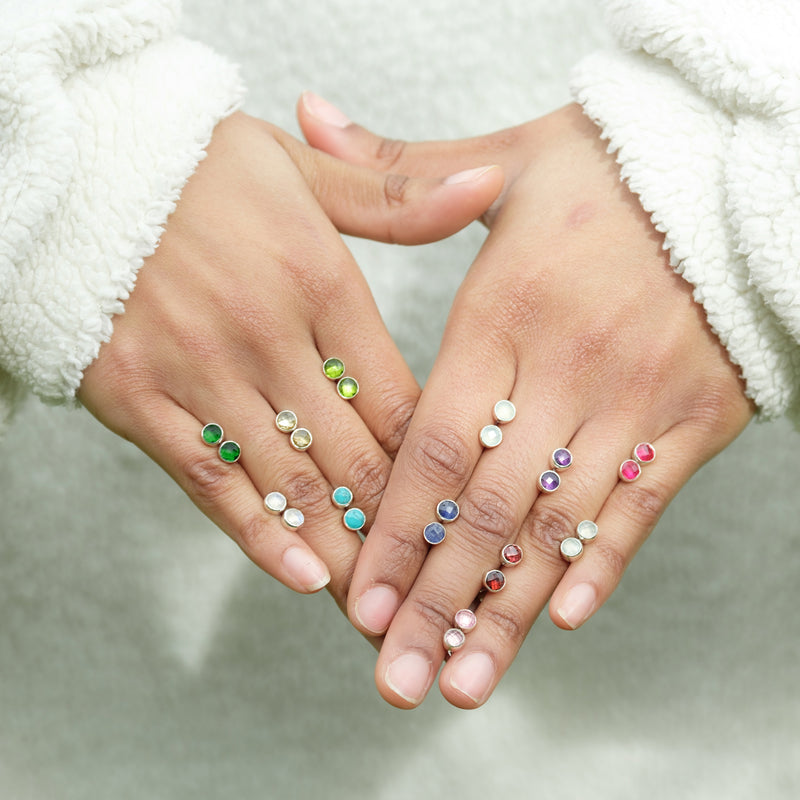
(104, 115)
(701, 104)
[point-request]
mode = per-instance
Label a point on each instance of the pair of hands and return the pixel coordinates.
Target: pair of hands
(571, 310)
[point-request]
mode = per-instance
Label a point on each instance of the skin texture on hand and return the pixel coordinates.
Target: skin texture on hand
(250, 289)
(572, 311)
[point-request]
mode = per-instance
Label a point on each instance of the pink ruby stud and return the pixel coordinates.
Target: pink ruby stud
(644, 453)
(629, 470)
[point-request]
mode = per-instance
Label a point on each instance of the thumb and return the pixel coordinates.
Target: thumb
(391, 207)
(327, 128)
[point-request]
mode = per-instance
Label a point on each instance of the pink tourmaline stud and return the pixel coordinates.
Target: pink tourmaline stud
(644, 453)
(629, 470)
(453, 639)
(466, 620)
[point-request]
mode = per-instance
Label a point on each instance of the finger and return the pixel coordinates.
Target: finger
(435, 462)
(225, 493)
(626, 519)
(505, 618)
(392, 207)
(625, 515)
(326, 128)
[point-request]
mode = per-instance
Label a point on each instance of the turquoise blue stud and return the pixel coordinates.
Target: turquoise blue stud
(354, 519)
(341, 497)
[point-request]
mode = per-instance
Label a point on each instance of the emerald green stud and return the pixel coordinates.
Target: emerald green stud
(229, 451)
(333, 368)
(212, 434)
(347, 388)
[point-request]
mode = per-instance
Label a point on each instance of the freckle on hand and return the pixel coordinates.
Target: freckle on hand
(580, 215)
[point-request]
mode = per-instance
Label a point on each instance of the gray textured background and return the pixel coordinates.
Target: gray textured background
(143, 656)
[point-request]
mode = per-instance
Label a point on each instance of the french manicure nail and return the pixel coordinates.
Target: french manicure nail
(467, 175)
(578, 604)
(473, 675)
(376, 608)
(325, 111)
(306, 569)
(408, 676)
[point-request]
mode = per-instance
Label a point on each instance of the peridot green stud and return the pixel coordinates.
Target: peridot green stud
(347, 388)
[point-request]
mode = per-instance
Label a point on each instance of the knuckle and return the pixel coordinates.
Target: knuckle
(252, 532)
(613, 561)
(389, 152)
(394, 189)
(208, 479)
(369, 477)
(434, 610)
(643, 504)
(402, 552)
(490, 515)
(307, 491)
(504, 621)
(518, 299)
(548, 527)
(316, 275)
(440, 455)
(589, 352)
(396, 420)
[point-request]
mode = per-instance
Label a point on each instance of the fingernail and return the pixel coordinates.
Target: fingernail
(578, 604)
(473, 675)
(467, 175)
(376, 608)
(324, 111)
(408, 676)
(306, 569)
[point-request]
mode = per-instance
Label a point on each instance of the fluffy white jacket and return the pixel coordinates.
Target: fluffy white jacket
(105, 113)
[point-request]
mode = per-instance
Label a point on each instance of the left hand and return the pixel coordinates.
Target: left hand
(572, 311)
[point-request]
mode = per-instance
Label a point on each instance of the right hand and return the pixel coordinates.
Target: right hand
(250, 289)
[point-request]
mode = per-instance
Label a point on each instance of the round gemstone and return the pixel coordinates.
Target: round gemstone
(286, 421)
(293, 518)
(571, 548)
(629, 470)
(562, 458)
(644, 453)
(434, 533)
(491, 436)
(549, 481)
(453, 639)
(275, 502)
(504, 411)
(511, 554)
(212, 433)
(494, 580)
(354, 519)
(341, 497)
(447, 511)
(347, 388)
(587, 530)
(333, 368)
(229, 451)
(300, 438)
(466, 620)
